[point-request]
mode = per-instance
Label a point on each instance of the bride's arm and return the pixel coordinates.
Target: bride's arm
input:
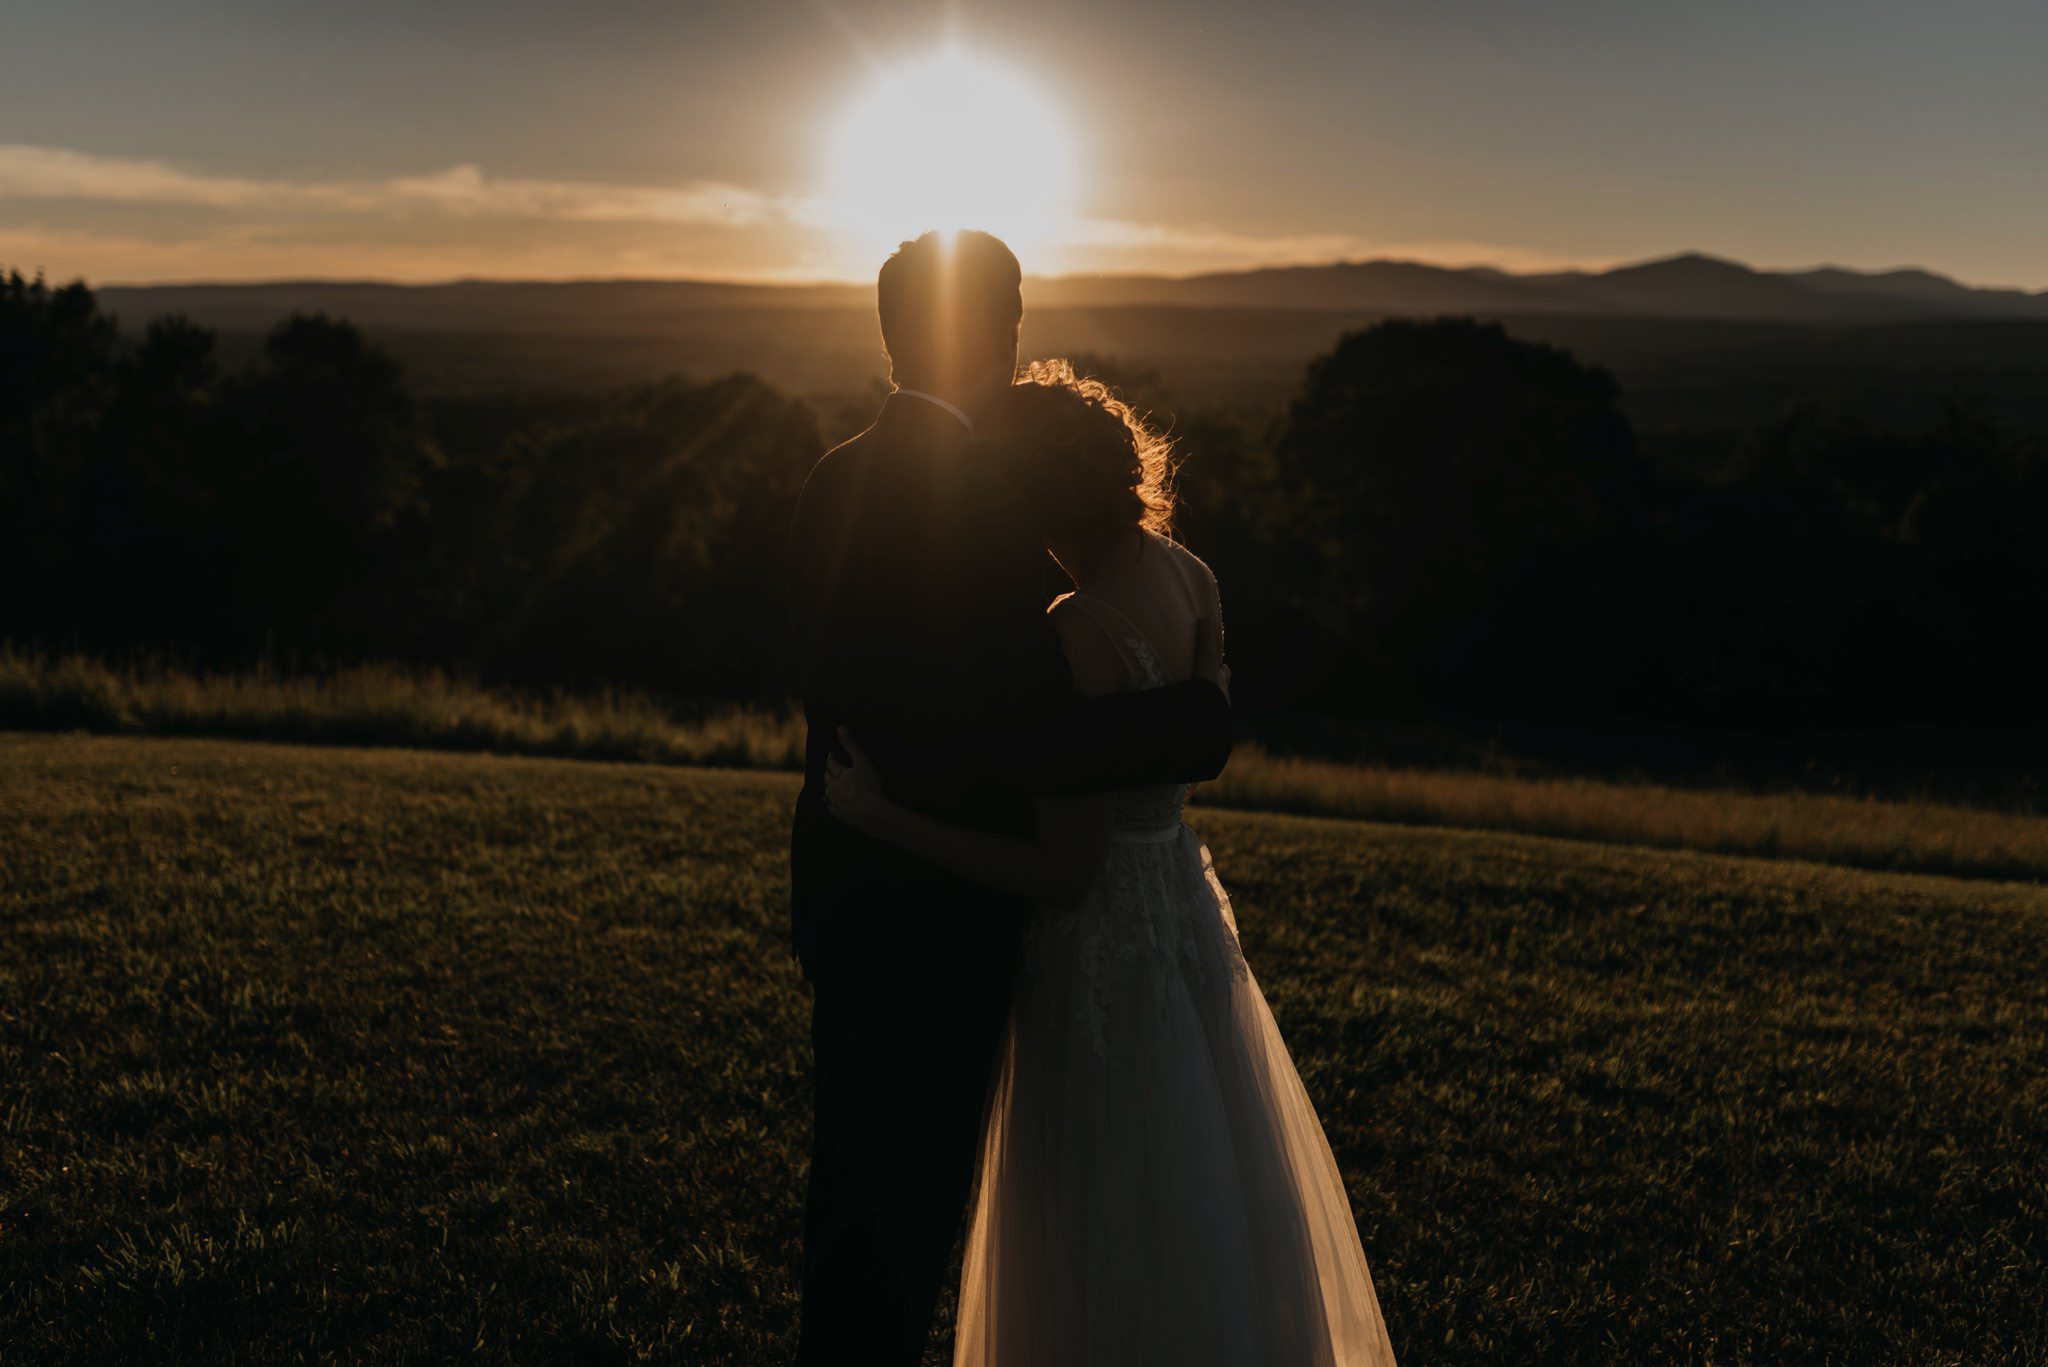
(1052, 867)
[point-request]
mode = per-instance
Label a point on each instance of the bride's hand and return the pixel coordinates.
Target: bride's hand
(853, 789)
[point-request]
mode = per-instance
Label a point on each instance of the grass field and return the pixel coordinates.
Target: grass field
(390, 1055)
(391, 705)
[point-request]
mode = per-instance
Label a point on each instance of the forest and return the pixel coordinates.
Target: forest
(1444, 521)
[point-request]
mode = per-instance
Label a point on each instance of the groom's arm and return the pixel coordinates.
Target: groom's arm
(1179, 734)
(1048, 739)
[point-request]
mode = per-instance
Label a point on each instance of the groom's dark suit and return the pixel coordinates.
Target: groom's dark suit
(919, 587)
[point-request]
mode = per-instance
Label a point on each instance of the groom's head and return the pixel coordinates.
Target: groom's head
(951, 304)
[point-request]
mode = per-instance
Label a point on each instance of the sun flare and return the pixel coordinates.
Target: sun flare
(951, 141)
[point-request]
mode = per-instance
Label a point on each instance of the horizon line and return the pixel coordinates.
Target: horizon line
(781, 282)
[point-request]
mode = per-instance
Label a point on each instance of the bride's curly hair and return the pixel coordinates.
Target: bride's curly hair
(1089, 462)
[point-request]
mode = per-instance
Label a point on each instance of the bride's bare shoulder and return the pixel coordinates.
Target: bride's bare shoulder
(1093, 656)
(1195, 574)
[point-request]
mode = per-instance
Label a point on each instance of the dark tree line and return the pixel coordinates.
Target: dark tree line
(1446, 519)
(310, 510)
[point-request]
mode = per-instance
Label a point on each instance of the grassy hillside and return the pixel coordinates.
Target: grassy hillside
(392, 705)
(388, 1055)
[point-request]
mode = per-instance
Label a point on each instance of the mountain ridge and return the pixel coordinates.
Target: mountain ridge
(1688, 285)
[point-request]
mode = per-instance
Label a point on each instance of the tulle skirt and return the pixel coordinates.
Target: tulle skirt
(1155, 1186)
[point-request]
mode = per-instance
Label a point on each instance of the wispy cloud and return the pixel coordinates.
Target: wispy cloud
(29, 172)
(1202, 247)
(463, 221)
(467, 190)
(1209, 242)
(258, 252)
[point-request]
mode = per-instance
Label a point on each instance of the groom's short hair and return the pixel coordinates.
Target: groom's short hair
(943, 292)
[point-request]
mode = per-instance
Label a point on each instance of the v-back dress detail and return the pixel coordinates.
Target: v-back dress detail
(1155, 1186)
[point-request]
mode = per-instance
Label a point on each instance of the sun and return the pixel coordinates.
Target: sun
(951, 141)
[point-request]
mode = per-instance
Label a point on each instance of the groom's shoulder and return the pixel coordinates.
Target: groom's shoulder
(837, 465)
(848, 451)
(881, 453)
(878, 441)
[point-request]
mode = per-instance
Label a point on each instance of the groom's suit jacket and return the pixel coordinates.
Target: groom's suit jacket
(918, 589)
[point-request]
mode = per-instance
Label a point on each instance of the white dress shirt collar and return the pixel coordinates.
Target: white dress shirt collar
(954, 409)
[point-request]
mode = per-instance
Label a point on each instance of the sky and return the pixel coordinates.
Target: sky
(184, 140)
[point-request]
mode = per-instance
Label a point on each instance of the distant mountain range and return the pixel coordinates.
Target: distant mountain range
(1690, 286)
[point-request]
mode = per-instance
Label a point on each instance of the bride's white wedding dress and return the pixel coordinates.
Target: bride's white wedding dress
(1155, 1187)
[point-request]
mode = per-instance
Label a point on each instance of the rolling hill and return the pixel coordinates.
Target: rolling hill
(1704, 348)
(1692, 285)
(382, 1055)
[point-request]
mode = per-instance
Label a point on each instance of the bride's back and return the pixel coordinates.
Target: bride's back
(1157, 595)
(1136, 628)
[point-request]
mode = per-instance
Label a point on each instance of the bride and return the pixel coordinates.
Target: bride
(1155, 1187)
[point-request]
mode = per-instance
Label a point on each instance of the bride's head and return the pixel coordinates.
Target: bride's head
(1094, 471)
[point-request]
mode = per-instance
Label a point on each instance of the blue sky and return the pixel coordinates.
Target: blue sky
(223, 140)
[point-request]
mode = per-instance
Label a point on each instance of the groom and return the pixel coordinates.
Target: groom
(919, 587)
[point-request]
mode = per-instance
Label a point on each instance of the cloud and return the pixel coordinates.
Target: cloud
(59, 173)
(1163, 247)
(257, 252)
(467, 190)
(28, 172)
(461, 220)
(1119, 235)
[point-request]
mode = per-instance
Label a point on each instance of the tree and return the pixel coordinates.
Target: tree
(1459, 498)
(324, 505)
(642, 538)
(154, 541)
(56, 373)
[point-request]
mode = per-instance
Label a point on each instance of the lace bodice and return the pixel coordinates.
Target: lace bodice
(1138, 813)
(1157, 904)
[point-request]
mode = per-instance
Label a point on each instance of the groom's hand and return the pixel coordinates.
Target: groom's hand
(1209, 655)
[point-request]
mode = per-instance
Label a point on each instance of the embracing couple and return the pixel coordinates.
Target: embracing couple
(1028, 990)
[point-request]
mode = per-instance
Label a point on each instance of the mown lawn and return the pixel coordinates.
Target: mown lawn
(383, 1055)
